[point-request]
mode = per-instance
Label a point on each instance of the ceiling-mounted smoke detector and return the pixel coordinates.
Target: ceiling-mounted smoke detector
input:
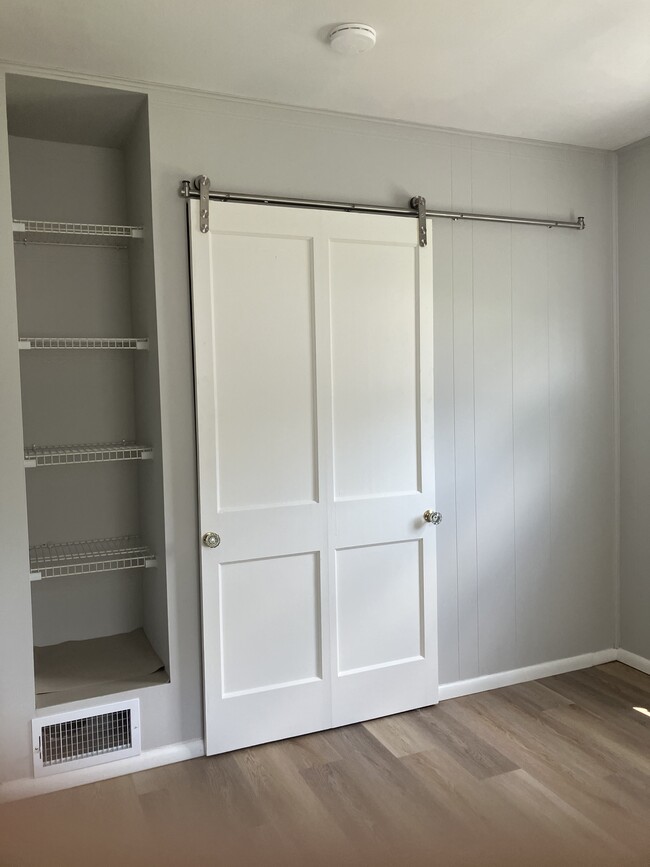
(352, 38)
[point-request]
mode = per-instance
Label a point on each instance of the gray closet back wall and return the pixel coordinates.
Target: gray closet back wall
(58, 181)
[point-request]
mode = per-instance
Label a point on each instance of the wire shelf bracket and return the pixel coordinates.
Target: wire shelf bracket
(86, 453)
(83, 343)
(56, 560)
(76, 234)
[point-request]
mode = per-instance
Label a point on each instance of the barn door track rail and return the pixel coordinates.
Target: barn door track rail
(199, 188)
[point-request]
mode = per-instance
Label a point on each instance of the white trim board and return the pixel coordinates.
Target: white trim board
(29, 788)
(522, 675)
(616, 500)
(634, 661)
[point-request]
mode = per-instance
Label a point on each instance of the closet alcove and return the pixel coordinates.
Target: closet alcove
(81, 203)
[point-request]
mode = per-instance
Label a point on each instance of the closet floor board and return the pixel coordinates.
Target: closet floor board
(77, 670)
(554, 772)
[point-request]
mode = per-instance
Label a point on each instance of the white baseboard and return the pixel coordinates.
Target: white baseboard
(634, 661)
(28, 788)
(522, 675)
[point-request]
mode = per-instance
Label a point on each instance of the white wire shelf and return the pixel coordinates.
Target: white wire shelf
(77, 234)
(86, 453)
(84, 558)
(83, 343)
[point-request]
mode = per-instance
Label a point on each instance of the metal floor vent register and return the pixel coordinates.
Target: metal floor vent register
(69, 741)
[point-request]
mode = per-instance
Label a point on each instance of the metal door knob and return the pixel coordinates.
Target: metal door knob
(432, 517)
(211, 540)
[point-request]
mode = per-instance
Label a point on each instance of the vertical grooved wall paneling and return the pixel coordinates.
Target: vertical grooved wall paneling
(525, 414)
(524, 353)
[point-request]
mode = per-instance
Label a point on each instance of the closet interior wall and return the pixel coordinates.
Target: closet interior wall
(76, 396)
(147, 382)
(77, 174)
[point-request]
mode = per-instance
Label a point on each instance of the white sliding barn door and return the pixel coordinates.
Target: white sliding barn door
(314, 386)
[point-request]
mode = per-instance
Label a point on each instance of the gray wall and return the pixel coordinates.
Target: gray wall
(16, 670)
(524, 360)
(147, 385)
(634, 257)
(524, 336)
(68, 291)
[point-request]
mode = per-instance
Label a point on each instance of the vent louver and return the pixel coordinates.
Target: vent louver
(89, 737)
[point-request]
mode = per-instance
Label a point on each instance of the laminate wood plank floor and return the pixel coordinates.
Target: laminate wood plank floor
(554, 772)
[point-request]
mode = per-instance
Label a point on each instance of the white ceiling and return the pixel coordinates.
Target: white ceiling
(575, 71)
